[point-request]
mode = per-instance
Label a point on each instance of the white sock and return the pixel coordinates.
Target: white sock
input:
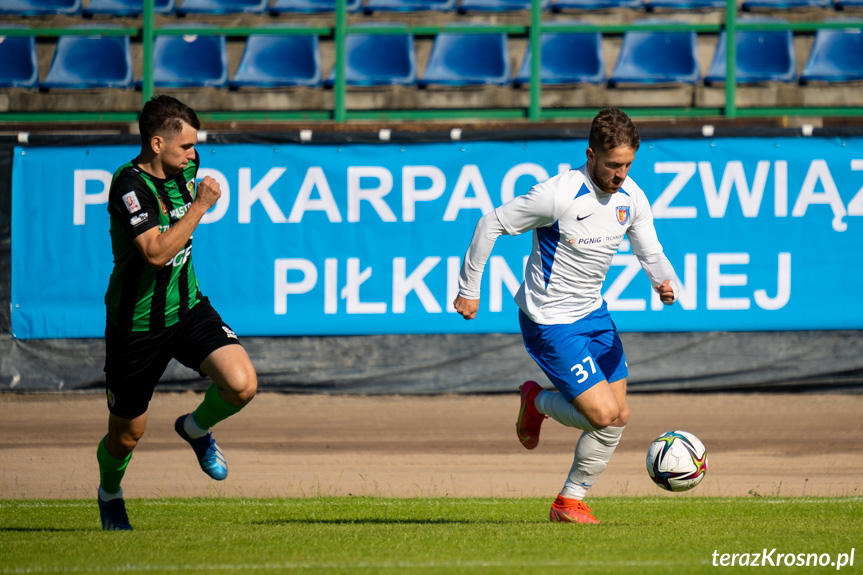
(592, 453)
(192, 429)
(105, 496)
(554, 405)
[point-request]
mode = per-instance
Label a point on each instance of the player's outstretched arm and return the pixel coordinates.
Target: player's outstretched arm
(486, 232)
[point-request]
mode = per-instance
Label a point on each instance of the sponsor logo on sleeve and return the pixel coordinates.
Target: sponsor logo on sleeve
(139, 219)
(131, 201)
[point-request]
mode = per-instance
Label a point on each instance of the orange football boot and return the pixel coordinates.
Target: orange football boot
(565, 510)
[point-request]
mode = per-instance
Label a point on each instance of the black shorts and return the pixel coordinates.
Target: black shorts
(136, 360)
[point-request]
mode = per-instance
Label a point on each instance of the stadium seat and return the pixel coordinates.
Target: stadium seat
(651, 5)
(127, 7)
(567, 58)
(40, 7)
(762, 56)
(379, 59)
(785, 4)
(82, 62)
(498, 5)
(409, 5)
(311, 6)
(843, 4)
(836, 56)
(190, 61)
(18, 64)
(449, 65)
(270, 61)
(560, 5)
(222, 6)
(656, 58)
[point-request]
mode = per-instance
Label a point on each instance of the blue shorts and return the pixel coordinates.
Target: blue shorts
(576, 356)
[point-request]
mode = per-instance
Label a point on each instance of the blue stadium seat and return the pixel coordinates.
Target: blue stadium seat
(560, 5)
(18, 64)
(270, 61)
(449, 63)
(842, 4)
(762, 56)
(656, 58)
(567, 58)
(222, 6)
(409, 5)
(785, 4)
(190, 61)
(836, 56)
(127, 7)
(311, 6)
(498, 5)
(379, 59)
(82, 62)
(651, 5)
(40, 7)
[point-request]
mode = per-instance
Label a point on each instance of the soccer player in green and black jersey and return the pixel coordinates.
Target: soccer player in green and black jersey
(142, 297)
(155, 311)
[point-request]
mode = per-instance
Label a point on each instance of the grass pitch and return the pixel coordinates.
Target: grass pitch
(374, 535)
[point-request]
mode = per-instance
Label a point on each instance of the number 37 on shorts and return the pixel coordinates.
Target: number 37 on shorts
(583, 370)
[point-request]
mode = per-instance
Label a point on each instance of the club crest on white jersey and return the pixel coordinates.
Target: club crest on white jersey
(622, 215)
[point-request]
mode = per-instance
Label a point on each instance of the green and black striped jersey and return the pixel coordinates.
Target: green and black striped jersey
(141, 297)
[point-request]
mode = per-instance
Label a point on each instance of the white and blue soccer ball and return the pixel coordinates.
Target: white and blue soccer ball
(676, 461)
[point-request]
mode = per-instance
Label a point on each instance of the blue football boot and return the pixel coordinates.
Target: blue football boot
(210, 457)
(113, 514)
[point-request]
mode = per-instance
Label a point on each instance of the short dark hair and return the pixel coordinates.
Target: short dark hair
(612, 128)
(164, 115)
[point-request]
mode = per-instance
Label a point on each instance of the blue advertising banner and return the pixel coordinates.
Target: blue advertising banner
(363, 239)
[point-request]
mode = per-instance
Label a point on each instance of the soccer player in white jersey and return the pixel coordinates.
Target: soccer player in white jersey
(578, 220)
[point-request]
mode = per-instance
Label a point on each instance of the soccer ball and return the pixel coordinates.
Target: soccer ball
(676, 461)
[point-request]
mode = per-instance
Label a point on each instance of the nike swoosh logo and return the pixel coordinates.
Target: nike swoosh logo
(579, 218)
(521, 437)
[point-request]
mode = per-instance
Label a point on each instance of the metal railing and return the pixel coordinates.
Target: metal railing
(534, 112)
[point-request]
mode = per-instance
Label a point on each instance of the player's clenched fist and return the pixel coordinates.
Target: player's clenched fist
(466, 307)
(666, 293)
(209, 191)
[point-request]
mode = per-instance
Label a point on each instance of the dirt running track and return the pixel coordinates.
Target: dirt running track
(449, 446)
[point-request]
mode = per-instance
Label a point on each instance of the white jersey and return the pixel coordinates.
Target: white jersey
(577, 229)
